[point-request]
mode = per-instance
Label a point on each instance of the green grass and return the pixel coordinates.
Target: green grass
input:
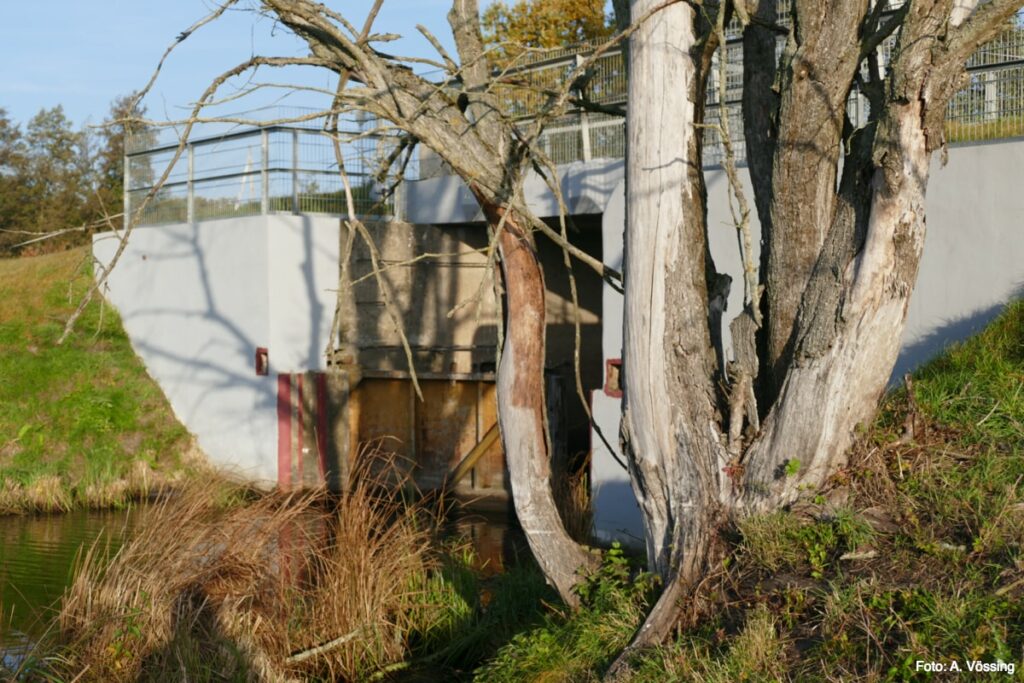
(915, 553)
(576, 648)
(976, 386)
(81, 422)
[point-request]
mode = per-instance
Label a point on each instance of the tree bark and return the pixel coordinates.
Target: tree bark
(819, 62)
(522, 410)
(670, 425)
(667, 351)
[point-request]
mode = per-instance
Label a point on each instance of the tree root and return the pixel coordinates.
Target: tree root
(655, 630)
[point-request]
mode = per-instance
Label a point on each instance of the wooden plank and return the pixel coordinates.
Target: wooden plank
(379, 414)
(468, 463)
(445, 429)
(338, 437)
(489, 473)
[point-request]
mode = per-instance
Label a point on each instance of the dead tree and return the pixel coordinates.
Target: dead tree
(843, 226)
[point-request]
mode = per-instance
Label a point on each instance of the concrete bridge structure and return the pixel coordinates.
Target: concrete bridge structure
(228, 289)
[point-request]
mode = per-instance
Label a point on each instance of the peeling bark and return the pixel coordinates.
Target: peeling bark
(522, 411)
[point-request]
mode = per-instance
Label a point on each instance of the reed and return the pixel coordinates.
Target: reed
(278, 588)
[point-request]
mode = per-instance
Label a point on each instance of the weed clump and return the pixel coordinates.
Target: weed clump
(281, 587)
(574, 648)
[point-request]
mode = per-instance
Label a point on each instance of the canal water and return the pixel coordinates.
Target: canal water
(38, 555)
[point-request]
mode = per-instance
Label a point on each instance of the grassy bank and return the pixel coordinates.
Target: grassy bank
(80, 423)
(258, 586)
(915, 552)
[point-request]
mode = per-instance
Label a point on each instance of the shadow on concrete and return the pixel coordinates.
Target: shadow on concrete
(949, 332)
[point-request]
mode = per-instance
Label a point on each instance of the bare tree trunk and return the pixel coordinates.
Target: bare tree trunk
(670, 412)
(667, 351)
(846, 334)
(522, 410)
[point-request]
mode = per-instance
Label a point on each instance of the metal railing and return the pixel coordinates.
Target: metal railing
(990, 106)
(250, 170)
(290, 166)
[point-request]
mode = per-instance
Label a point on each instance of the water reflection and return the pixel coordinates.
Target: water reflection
(37, 559)
(498, 543)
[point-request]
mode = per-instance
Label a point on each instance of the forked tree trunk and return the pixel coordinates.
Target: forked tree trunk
(841, 266)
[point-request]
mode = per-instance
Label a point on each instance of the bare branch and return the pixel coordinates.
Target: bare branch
(212, 16)
(876, 33)
(981, 26)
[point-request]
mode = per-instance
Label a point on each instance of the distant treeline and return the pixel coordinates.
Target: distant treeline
(53, 177)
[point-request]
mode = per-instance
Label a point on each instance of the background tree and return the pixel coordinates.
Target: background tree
(58, 173)
(543, 24)
(15, 205)
(58, 183)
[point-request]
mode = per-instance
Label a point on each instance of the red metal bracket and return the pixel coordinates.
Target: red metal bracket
(262, 361)
(613, 377)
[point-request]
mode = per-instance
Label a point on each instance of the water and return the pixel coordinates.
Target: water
(37, 561)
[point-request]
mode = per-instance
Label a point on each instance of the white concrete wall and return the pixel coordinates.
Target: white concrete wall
(196, 301)
(302, 282)
(974, 253)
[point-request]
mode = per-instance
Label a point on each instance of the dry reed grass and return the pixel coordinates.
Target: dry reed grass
(572, 496)
(279, 588)
(42, 494)
(53, 493)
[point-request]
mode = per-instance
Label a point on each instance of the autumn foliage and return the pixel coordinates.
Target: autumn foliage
(544, 24)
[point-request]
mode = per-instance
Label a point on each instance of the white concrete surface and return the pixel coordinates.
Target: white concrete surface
(196, 301)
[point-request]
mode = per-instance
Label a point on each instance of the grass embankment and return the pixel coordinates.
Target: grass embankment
(81, 423)
(915, 552)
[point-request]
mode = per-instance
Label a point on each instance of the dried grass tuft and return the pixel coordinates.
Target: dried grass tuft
(42, 494)
(279, 588)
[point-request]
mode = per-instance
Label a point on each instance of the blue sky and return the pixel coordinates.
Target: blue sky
(84, 53)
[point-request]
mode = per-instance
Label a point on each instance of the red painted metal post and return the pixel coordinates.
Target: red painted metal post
(284, 431)
(300, 424)
(321, 424)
